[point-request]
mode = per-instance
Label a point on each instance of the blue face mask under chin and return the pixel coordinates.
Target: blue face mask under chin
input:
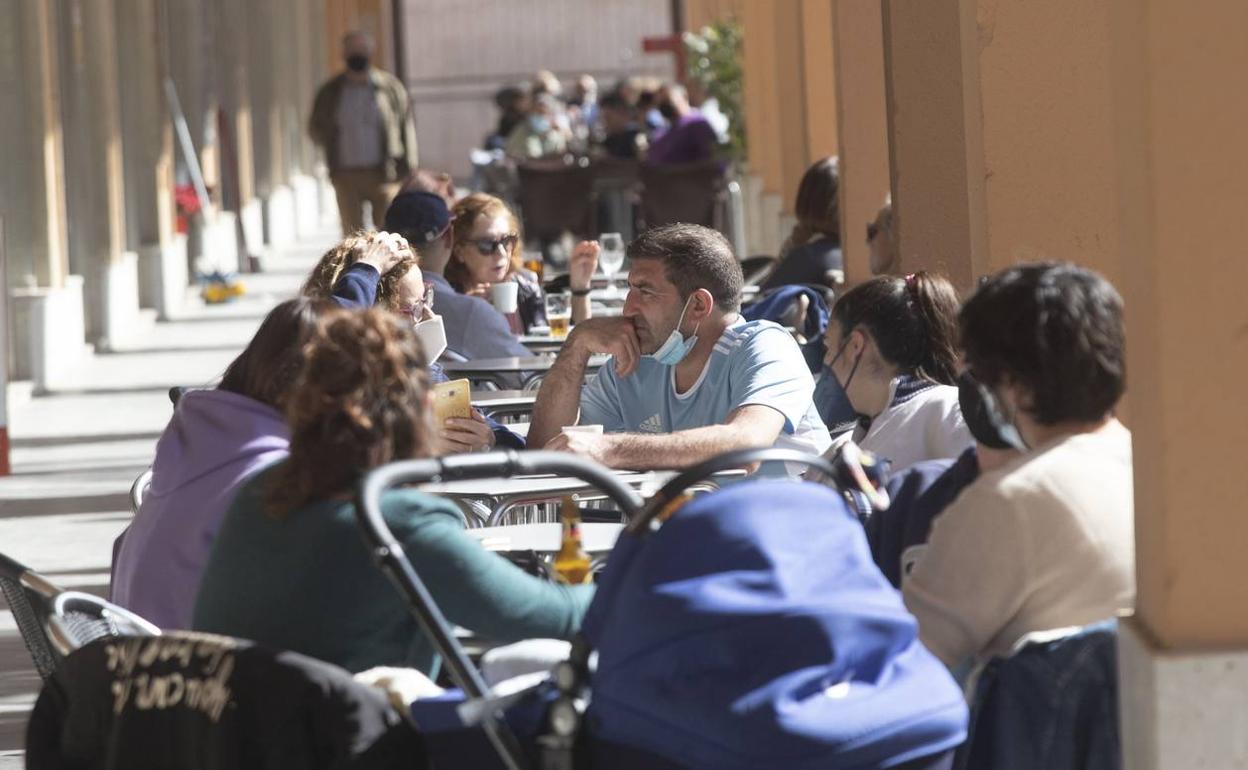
(677, 346)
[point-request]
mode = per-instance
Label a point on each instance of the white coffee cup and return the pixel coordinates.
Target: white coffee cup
(594, 429)
(505, 296)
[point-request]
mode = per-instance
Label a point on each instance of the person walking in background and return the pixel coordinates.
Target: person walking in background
(361, 119)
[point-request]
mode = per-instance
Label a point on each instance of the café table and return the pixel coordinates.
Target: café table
(489, 502)
(546, 537)
(492, 369)
(542, 343)
(503, 405)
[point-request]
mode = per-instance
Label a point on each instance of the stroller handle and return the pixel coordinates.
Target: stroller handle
(718, 464)
(389, 555)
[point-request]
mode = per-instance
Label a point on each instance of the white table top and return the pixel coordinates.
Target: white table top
(510, 364)
(595, 537)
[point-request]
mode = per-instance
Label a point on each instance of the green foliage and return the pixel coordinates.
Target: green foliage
(713, 60)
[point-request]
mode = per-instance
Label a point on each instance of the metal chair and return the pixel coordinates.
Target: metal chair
(557, 197)
(757, 269)
(54, 623)
(693, 193)
(139, 490)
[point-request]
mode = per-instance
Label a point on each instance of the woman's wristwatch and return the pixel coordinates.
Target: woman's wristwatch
(580, 292)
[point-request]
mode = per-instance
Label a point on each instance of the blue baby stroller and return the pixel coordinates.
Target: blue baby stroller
(748, 628)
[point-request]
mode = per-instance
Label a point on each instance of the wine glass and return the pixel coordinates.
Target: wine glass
(611, 258)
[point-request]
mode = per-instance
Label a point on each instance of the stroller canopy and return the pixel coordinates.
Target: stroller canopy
(754, 630)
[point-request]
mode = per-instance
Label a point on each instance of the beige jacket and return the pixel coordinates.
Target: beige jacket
(396, 120)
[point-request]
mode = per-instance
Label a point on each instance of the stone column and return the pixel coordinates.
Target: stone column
(934, 132)
(33, 195)
(1181, 168)
(45, 322)
(96, 199)
(147, 131)
(241, 223)
(269, 42)
(863, 126)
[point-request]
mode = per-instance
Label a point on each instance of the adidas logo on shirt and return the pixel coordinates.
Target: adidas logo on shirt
(652, 424)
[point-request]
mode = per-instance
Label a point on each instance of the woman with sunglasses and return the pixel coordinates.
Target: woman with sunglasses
(487, 251)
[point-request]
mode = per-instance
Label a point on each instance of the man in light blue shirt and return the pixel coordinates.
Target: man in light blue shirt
(690, 378)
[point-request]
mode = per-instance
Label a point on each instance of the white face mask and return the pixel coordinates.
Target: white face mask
(432, 336)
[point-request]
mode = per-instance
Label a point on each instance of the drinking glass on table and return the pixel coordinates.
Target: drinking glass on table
(559, 314)
(611, 258)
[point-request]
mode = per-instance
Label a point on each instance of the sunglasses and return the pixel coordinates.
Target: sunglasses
(416, 310)
(490, 245)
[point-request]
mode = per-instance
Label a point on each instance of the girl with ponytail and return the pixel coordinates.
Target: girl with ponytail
(892, 349)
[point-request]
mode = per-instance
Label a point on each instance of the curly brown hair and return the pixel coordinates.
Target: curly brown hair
(359, 402)
(348, 251)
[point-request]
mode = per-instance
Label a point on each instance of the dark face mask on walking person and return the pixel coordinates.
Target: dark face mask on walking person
(357, 63)
(668, 112)
(983, 417)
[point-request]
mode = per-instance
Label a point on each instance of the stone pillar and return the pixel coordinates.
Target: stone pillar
(863, 126)
(32, 197)
(96, 199)
(44, 322)
(147, 130)
(269, 43)
(240, 228)
(305, 78)
(1182, 178)
(934, 131)
(819, 85)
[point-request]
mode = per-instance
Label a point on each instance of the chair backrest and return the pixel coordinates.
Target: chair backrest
(1052, 704)
(692, 193)
(555, 198)
(30, 597)
(53, 623)
(202, 701)
(77, 619)
(757, 269)
(139, 489)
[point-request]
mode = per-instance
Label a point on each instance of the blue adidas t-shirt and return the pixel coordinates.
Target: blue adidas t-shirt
(754, 362)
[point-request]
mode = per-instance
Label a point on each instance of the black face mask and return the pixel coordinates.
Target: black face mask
(357, 63)
(668, 111)
(976, 414)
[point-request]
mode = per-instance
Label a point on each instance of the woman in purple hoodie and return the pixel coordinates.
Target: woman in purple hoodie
(217, 439)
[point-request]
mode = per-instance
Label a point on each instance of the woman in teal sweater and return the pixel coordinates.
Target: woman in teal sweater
(290, 568)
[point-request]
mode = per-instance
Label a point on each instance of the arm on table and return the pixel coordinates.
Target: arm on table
(748, 427)
(558, 402)
(487, 594)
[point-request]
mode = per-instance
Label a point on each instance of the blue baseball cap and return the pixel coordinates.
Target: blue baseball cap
(419, 216)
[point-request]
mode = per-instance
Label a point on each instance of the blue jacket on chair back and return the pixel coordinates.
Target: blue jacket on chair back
(1052, 705)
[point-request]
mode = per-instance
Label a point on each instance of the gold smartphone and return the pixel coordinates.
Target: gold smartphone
(451, 399)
